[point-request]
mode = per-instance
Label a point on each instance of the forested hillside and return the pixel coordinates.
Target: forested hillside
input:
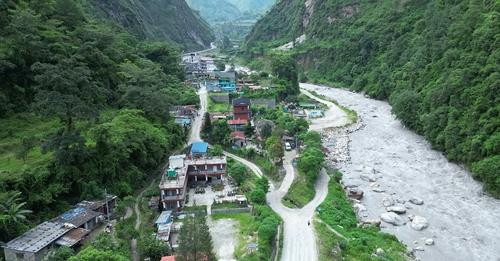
(437, 62)
(170, 20)
(216, 10)
(83, 107)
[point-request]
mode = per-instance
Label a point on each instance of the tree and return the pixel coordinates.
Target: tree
(258, 196)
(284, 68)
(26, 145)
(221, 133)
(249, 130)
(195, 241)
(61, 254)
(93, 254)
(67, 90)
(266, 131)
(274, 147)
(154, 248)
(238, 172)
(216, 151)
(207, 126)
(12, 214)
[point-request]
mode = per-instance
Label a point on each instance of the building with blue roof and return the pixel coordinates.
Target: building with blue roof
(199, 148)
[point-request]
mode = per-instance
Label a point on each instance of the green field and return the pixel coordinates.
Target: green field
(218, 106)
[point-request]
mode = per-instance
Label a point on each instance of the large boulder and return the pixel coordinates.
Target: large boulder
(398, 209)
(392, 218)
(355, 193)
(416, 201)
(387, 202)
(418, 223)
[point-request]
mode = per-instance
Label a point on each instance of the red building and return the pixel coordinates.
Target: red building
(241, 109)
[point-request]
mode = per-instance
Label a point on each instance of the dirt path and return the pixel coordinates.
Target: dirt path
(334, 116)
(138, 221)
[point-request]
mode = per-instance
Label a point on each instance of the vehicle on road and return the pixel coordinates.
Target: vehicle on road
(288, 147)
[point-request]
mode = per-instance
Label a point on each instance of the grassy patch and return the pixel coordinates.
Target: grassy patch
(217, 106)
(247, 233)
(300, 193)
(337, 212)
(13, 130)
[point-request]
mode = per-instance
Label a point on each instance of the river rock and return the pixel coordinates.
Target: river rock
(378, 190)
(359, 209)
(392, 218)
(368, 178)
(355, 193)
(419, 248)
(416, 201)
(387, 202)
(429, 241)
(418, 223)
(398, 209)
(371, 222)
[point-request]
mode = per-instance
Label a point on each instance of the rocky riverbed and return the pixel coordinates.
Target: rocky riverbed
(432, 205)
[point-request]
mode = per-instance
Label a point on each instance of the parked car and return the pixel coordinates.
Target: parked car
(288, 147)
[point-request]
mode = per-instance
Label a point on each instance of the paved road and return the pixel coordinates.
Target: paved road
(299, 240)
(198, 121)
(334, 116)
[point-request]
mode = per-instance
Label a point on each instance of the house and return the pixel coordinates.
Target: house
(198, 166)
(241, 109)
(68, 229)
(183, 115)
(239, 140)
(237, 125)
(199, 149)
(226, 81)
(164, 224)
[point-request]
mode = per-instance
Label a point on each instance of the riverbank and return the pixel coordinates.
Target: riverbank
(391, 164)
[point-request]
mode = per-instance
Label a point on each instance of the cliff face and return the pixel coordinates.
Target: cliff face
(435, 61)
(170, 20)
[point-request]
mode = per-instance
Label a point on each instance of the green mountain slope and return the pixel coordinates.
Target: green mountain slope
(253, 6)
(215, 10)
(437, 62)
(170, 20)
(84, 106)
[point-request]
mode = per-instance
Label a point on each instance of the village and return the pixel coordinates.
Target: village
(195, 182)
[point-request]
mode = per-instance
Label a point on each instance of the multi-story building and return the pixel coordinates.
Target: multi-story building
(196, 167)
(241, 109)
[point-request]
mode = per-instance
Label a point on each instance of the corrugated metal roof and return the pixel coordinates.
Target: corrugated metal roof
(164, 217)
(38, 237)
(199, 147)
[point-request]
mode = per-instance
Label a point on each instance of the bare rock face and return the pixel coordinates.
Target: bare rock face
(398, 209)
(418, 223)
(392, 218)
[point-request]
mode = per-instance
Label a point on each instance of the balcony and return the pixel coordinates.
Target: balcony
(207, 172)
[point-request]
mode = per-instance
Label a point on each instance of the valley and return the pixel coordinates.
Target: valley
(249, 130)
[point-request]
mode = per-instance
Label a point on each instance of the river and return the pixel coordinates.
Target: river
(463, 221)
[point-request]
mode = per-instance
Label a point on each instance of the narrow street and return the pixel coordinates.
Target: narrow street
(198, 121)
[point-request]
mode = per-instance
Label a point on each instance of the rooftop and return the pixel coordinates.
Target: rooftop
(237, 122)
(207, 161)
(178, 182)
(241, 101)
(77, 216)
(168, 258)
(164, 217)
(199, 147)
(238, 134)
(38, 237)
(230, 75)
(72, 237)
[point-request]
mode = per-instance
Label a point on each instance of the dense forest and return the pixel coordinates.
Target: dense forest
(83, 107)
(436, 62)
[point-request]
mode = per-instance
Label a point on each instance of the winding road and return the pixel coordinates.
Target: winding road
(299, 240)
